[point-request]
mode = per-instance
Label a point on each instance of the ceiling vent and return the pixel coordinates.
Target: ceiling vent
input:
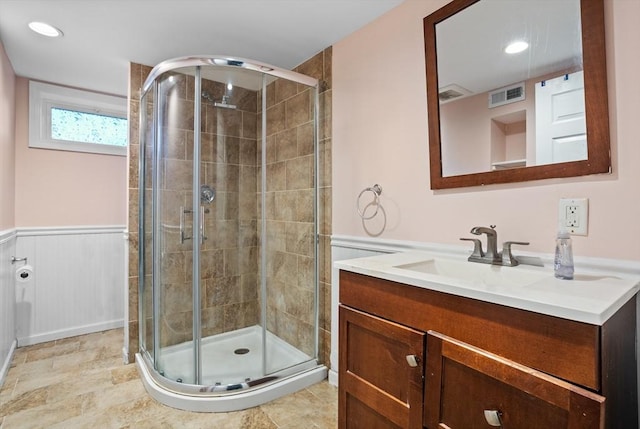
(451, 92)
(506, 95)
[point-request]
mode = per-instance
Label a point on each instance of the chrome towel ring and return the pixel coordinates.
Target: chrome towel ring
(376, 190)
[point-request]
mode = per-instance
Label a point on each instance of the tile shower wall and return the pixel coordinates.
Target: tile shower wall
(229, 259)
(230, 150)
(289, 206)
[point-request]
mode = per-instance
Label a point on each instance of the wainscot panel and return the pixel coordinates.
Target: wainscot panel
(7, 301)
(77, 286)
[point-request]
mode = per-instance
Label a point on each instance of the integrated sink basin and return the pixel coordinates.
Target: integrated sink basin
(475, 273)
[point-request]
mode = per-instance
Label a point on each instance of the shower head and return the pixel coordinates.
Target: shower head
(224, 103)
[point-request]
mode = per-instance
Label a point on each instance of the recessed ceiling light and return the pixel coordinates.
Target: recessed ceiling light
(515, 47)
(45, 29)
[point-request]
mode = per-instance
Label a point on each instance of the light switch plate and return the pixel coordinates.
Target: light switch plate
(573, 214)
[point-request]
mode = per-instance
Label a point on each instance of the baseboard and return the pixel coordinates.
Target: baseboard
(7, 362)
(71, 332)
(333, 378)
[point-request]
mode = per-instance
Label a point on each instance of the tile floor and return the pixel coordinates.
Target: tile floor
(80, 382)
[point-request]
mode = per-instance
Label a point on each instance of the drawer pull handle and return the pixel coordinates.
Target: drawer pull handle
(493, 417)
(413, 360)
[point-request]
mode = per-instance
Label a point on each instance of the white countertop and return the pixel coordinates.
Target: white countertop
(589, 298)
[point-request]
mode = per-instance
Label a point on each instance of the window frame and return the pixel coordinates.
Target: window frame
(44, 96)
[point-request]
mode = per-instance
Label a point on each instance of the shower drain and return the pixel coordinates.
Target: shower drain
(241, 351)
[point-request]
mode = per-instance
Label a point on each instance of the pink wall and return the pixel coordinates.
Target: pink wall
(469, 148)
(58, 188)
(7, 141)
(380, 136)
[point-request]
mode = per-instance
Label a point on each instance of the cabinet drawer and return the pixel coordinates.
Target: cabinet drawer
(377, 383)
(463, 381)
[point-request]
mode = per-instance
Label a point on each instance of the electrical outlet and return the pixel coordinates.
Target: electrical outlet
(574, 215)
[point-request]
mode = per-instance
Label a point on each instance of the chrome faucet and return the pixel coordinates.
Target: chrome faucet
(492, 256)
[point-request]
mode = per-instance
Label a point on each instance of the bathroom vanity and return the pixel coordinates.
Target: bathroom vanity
(424, 345)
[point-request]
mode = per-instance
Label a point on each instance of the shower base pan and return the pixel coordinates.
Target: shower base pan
(226, 359)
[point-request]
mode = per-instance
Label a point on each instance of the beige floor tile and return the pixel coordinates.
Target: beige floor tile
(71, 362)
(256, 418)
(28, 383)
(101, 400)
(143, 407)
(19, 357)
(44, 416)
(124, 373)
(325, 392)
(72, 385)
(55, 350)
(299, 407)
(111, 340)
(80, 382)
(7, 388)
(25, 401)
(29, 370)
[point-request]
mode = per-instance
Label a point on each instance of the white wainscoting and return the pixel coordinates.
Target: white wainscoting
(78, 282)
(7, 302)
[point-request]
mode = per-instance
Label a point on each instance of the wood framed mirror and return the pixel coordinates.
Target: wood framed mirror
(493, 123)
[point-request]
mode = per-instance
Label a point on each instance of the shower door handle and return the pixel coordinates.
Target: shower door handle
(183, 236)
(203, 235)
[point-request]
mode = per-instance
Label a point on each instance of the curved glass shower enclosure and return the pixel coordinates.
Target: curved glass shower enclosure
(228, 292)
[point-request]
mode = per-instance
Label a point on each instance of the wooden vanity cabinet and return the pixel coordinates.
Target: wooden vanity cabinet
(380, 388)
(526, 370)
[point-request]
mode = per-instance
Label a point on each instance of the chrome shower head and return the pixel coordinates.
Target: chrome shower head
(224, 103)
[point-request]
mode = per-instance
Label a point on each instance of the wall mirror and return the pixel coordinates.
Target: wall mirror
(499, 117)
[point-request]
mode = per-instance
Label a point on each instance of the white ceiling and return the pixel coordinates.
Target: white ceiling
(471, 44)
(101, 37)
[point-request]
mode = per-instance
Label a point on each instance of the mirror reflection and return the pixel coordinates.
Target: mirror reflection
(511, 86)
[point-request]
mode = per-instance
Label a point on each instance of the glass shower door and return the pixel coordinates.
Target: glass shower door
(174, 231)
(290, 247)
(231, 348)
(145, 236)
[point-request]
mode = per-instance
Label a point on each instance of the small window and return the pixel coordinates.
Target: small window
(69, 119)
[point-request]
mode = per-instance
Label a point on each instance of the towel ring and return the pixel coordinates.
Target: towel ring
(376, 190)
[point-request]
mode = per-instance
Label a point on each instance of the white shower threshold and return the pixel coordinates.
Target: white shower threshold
(218, 350)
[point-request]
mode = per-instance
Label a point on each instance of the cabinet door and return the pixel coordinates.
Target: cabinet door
(468, 388)
(379, 387)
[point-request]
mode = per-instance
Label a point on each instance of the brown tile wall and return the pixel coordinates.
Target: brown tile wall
(230, 256)
(289, 206)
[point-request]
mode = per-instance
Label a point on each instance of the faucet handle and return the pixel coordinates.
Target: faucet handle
(507, 244)
(477, 247)
(507, 256)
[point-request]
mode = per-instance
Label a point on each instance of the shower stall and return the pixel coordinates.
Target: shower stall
(228, 227)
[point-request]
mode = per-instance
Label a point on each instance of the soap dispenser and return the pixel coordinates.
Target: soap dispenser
(563, 262)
